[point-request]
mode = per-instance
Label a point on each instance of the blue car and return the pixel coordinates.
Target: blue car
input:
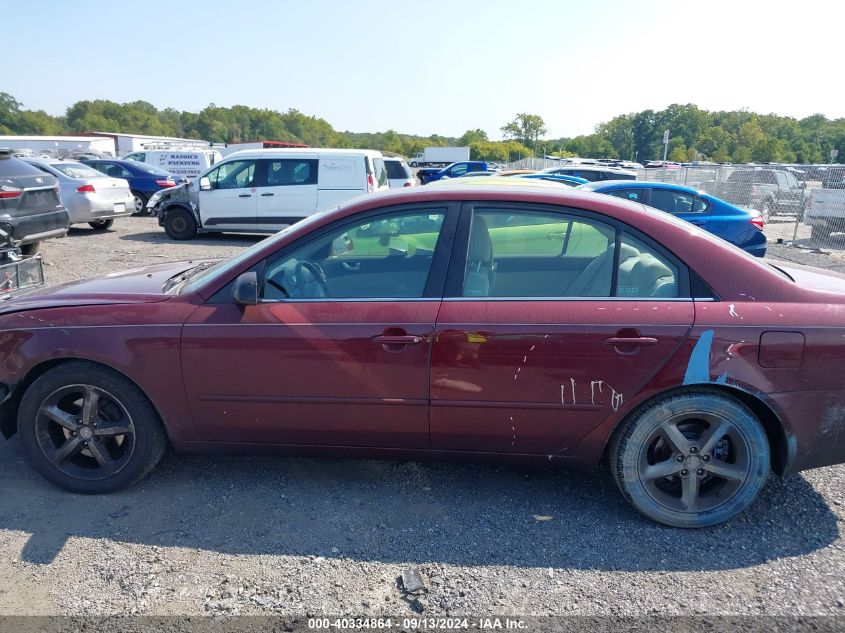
(572, 181)
(144, 179)
(737, 226)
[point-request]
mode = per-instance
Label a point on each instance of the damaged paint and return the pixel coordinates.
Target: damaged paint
(698, 368)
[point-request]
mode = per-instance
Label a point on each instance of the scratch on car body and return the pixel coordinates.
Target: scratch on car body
(593, 385)
(732, 311)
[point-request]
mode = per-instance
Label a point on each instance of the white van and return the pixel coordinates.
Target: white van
(188, 162)
(265, 190)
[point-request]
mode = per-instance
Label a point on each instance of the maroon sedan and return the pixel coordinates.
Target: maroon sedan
(506, 321)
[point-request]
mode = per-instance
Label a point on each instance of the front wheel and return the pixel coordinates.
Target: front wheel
(414, 163)
(179, 224)
(101, 225)
(692, 459)
(89, 429)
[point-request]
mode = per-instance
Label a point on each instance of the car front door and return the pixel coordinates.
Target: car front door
(337, 350)
(228, 196)
(541, 335)
(287, 191)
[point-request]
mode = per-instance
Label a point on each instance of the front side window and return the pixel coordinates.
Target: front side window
(291, 171)
(383, 258)
(236, 174)
(458, 170)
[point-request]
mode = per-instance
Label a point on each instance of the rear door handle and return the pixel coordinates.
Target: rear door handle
(267, 194)
(631, 341)
(244, 195)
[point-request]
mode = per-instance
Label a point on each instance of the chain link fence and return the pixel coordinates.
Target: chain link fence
(803, 205)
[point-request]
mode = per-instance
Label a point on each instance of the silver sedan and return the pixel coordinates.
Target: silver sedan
(88, 195)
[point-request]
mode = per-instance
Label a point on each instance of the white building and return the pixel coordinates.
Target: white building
(60, 146)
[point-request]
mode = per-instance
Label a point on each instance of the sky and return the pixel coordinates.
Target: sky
(429, 67)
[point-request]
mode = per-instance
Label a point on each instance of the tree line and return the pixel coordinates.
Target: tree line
(695, 134)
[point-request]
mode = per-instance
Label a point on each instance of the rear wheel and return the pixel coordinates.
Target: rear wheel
(179, 224)
(101, 225)
(140, 201)
(766, 211)
(88, 429)
(692, 459)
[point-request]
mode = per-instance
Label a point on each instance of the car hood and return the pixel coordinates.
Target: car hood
(136, 285)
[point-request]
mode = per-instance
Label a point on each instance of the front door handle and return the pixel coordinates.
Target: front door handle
(631, 341)
(264, 195)
(400, 339)
(244, 195)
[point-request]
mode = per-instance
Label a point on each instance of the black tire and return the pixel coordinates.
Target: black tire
(179, 224)
(28, 250)
(414, 163)
(819, 233)
(709, 482)
(121, 405)
(101, 225)
(140, 201)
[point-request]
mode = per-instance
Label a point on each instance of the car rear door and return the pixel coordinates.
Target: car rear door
(541, 336)
(287, 191)
(346, 367)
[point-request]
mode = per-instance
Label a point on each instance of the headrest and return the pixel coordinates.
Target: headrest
(480, 246)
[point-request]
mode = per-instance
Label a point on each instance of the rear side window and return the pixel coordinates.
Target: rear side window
(677, 202)
(11, 167)
(396, 169)
(643, 272)
(291, 171)
(636, 195)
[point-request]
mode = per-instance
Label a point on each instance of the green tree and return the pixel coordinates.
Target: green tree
(526, 128)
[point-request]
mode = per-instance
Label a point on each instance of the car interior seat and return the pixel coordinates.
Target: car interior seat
(594, 280)
(478, 279)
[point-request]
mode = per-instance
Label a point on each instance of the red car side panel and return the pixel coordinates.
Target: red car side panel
(310, 373)
(139, 340)
(537, 376)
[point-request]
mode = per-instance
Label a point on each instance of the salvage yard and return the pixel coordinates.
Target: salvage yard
(296, 536)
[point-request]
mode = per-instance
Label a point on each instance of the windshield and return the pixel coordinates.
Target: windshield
(193, 278)
(76, 170)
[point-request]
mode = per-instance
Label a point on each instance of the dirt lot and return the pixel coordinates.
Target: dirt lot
(218, 535)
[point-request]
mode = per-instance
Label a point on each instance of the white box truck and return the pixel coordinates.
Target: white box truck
(439, 156)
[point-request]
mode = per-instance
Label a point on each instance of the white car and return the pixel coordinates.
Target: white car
(398, 172)
(265, 190)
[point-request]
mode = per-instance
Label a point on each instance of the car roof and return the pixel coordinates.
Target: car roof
(287, 151)
(637, 184)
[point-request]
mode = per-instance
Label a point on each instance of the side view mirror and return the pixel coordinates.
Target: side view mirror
(205, 184)
(245, 289)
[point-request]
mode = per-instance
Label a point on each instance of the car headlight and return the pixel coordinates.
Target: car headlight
(153, 201)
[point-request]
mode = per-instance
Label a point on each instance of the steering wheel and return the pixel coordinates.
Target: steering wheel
(316, 271)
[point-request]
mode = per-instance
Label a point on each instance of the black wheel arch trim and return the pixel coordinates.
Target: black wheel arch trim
(782, 443)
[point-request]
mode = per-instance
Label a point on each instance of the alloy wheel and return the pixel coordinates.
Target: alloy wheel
(85, 432)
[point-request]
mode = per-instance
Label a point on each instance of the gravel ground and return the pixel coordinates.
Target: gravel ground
(225, 536)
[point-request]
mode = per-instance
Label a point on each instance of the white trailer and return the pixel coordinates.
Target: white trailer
(439, 156)
(59, 146)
